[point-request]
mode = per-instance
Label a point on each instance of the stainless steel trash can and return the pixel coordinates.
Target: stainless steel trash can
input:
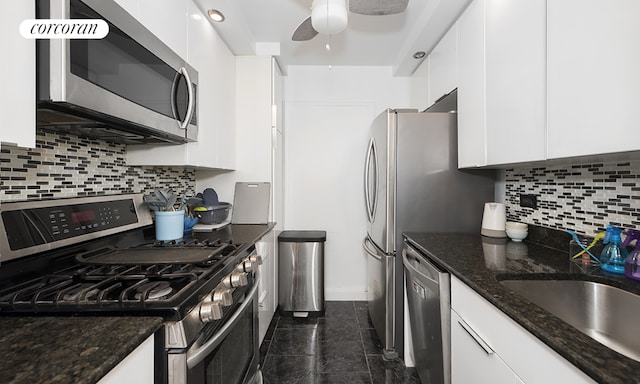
(301, 273)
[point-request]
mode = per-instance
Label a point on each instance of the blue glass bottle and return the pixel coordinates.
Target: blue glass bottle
(613, 256)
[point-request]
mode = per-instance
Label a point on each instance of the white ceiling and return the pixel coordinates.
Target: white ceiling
(265, 27)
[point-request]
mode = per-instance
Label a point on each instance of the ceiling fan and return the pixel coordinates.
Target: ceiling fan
(330, 16)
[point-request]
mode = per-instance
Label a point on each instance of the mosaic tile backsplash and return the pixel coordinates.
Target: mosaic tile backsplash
(583, 198)
(69, 166)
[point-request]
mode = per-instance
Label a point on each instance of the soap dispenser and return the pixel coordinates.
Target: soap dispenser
(632, 263)
(613, 256)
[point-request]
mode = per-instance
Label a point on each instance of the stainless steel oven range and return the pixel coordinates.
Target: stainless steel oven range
(92, 256)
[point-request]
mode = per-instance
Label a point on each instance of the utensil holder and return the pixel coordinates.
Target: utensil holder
(169, 225)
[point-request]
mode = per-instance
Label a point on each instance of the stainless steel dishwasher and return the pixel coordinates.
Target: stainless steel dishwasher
(429, 299)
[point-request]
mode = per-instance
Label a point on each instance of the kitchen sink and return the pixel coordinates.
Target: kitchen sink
(605, 313)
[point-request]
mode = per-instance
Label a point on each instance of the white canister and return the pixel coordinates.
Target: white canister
(494, 219)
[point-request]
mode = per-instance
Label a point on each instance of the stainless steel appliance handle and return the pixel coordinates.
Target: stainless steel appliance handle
(172, 96)
(370, 251)
(370, 207)
(192, 99)
(409, 257)
(195, 358)
(483, 344)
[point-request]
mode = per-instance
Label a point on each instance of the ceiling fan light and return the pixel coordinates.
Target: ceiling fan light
(329, 16)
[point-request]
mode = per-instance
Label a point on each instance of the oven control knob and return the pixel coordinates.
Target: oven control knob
(236, 279)
(210, 312)
(257, 259)
(246, 266)
(222, 296)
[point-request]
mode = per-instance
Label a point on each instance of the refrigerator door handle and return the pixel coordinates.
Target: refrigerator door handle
(370, 197)
(370, 251)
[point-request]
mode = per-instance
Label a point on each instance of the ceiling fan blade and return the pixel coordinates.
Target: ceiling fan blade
(377, 7)
(304, 31)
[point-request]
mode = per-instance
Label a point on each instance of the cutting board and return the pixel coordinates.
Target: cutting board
(251, 203)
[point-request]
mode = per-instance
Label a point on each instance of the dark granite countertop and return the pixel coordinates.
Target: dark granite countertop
(68, 349)
(462, 255)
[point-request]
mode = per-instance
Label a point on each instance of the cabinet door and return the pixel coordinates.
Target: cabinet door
(18, 92)
(593, 77)
(526, 355)
(515, 81)
(443, 71)
(471, 87)
(167, 19)
(137, 367)
(472, 362)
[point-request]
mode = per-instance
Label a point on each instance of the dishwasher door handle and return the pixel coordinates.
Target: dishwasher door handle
(410, 257)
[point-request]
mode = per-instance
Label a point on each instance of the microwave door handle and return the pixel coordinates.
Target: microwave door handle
(192, 100)
(174, 109)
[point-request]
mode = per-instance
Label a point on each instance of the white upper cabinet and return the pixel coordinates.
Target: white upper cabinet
(443, 69)
(167, 19)
(18, 92)
(593, 75)
(501, 92)
(437, 75)
(471, 87)
(515, 80)
(215, 64)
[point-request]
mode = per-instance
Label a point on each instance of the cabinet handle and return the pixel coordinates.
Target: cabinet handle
(262, 298)
(476, 337)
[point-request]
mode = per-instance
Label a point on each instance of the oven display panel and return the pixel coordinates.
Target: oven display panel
(26, 228)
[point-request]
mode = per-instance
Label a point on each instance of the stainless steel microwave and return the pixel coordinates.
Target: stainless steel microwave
(128, 87)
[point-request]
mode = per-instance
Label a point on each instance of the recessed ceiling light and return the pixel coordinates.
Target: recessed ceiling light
(419, 55)
(215, 15)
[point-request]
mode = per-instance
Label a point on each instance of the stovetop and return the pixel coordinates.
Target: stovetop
(85, 285)
(108, 268)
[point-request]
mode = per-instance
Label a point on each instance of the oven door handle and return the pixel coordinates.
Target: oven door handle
(196, 357)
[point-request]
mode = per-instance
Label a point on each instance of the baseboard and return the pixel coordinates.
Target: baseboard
(345, 295)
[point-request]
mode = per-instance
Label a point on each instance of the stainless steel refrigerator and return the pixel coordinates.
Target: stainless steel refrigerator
(412, 184)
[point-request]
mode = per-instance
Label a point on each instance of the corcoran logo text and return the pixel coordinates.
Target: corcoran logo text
(64, 28)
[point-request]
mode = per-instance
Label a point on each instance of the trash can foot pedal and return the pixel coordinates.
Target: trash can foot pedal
(300, 314)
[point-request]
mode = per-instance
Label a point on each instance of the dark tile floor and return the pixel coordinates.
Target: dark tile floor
(340, 347)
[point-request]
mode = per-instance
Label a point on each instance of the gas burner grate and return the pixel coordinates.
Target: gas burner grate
(106, 285)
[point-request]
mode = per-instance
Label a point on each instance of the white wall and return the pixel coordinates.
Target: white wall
(327, 117)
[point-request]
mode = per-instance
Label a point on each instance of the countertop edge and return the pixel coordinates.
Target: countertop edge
(553, 332)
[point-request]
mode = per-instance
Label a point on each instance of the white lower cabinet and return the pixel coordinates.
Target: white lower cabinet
(137, 367)
(473, 361)
(495, 349)
(268, 286)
